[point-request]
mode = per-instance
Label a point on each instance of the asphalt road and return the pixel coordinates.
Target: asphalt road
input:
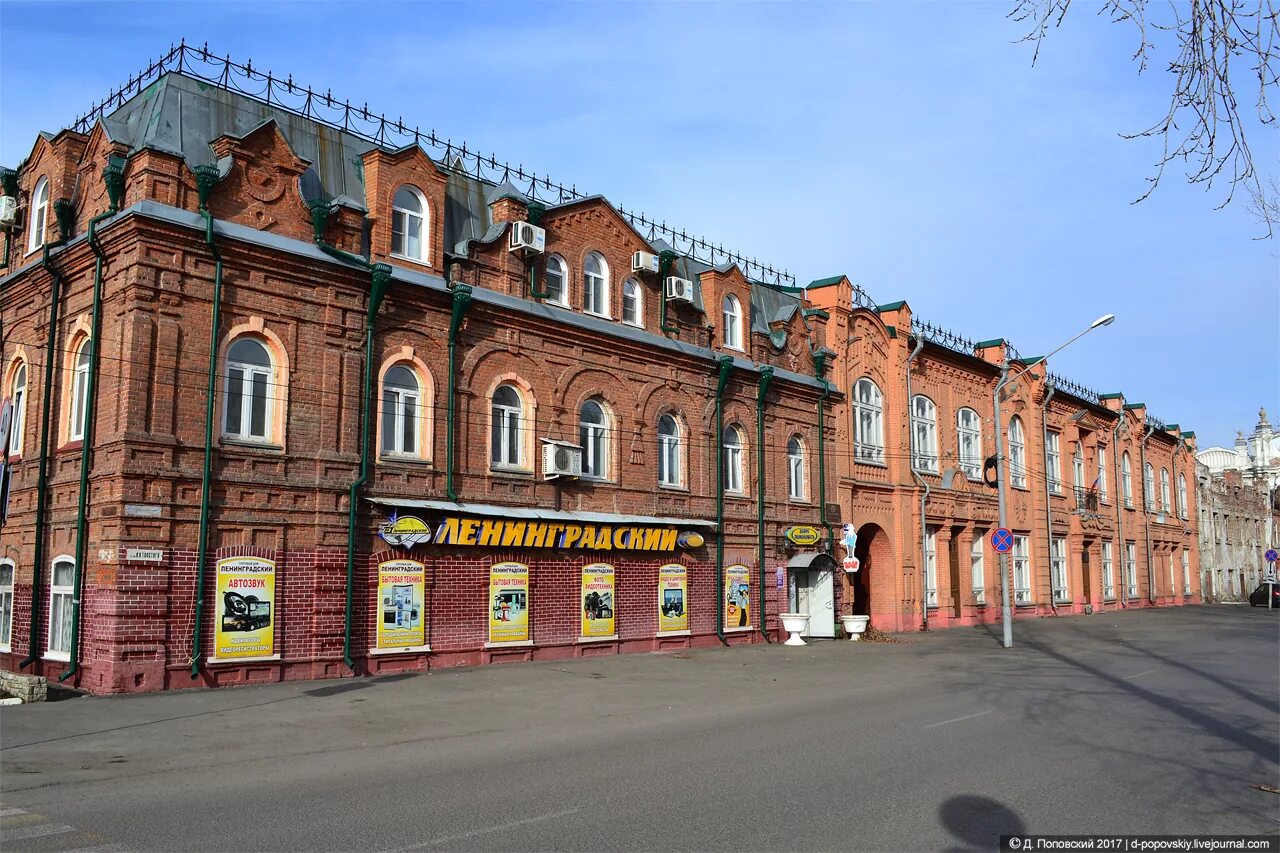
(1144, 722)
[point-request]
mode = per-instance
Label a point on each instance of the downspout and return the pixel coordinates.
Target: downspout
(766, 377)
(725, 364)
(9, 187)
(665, 261)
(207, 177)
(1146, 514)
(1048, 508)
(65, 215)
(461, 300)
(820, 372)
(535, 211)
(113, 177)
(1120, 499)
(924, 497)
(380, 280)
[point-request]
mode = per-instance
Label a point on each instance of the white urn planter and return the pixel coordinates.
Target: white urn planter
(794, 624)
(854, 625)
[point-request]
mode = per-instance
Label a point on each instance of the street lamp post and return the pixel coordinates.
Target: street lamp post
(1006, 612)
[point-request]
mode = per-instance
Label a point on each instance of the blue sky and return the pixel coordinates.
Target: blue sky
(912, 147)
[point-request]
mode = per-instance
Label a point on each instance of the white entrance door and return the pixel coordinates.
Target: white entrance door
(815, 595)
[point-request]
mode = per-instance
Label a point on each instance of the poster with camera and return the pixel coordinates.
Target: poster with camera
(246, 618)
(509, 603)
(597, 601)
(737, 597)
(402, 610)
(673, 588)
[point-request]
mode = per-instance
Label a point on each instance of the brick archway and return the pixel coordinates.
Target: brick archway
(875, 556)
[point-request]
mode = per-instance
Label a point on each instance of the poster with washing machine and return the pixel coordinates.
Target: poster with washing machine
(509, 603)
(246, 618)
(673, 588)
(598, 601)
(737, 597)
(402, 605)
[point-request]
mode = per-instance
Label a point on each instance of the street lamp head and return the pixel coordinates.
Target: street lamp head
(1104, 320)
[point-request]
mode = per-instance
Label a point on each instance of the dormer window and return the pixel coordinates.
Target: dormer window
(408, 225)
(732, 309)
(595, 285)
(632, 303)
(39, 215)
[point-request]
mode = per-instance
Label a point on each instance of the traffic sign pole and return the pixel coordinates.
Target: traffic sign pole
(1006, 614)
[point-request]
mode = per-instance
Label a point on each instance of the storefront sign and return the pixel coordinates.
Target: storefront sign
(737, 596)
(509, 533)
(802, 535)
(245, 626)
(673, 588)
(509, 603)
(405, 531)
(597, 600)
(402, 611)
(690, 539)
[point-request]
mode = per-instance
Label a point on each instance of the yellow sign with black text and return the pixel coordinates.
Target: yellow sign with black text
(673, 604)
(509, 603)
(737, 596)
(803, 535)
(598, 601)
(402, 605)
(246, 617)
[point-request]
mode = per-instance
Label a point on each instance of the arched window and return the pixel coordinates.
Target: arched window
(1182, 496)
(557, 275)
(18, 422)
(595, 285)
(732, 322)
(250, 382)
(632, 303)
(1017, 454)
(795, 469)
(969, 431)
(593, 435)
(39, 215)
(507, 436)
(669, 452)
(402, 409)
(731, 448)
(1126, 479)
(409, 225)
(924, 434)
(1149, 488)
(61, 612)
(868, 422)
(6, 603)
(1164, 489)
(79, 391)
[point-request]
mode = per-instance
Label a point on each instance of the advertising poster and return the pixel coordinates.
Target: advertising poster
(246, 618)
(509, 603)
(673, 588)
(597, 600)
(402, 612)
(737, 597)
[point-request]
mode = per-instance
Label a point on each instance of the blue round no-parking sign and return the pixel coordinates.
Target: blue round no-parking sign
(1001, 539)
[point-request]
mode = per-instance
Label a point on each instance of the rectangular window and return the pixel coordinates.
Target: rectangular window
(1131, 570)
(1102, 474)
(6, 604)
(1058, 569)
(60, 609)
(669, 460)
(1077, 466)
(1021, 571)
(1186, 572)
(931, 567)
(1053, 462)
(977, 552)
(1108, 573)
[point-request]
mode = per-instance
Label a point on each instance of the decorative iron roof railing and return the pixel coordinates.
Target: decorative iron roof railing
(943, 337)
(1075, 389)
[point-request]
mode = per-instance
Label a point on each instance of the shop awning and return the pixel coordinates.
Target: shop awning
(811, 560)
(541, 514)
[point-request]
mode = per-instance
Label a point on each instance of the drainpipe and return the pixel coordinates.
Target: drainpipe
(9, 187)
(1120, 499)
(666, 260)
(461, 300)
(820, 372)
(535, 218)
(725, 365)
(1146, 514)
(65, 213)
(924, 497)
(766, 377)
(380, 280)
(113, 177)
(1048, 508)
(207, 177)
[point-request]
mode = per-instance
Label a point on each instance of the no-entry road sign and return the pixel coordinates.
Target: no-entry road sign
(1001, 540)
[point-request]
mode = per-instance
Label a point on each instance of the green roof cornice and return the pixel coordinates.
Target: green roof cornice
(815, 312)
(893, 331)
(994, 342)
(891, 306)
(1115, 396)
(826, 282)
(1129, 406)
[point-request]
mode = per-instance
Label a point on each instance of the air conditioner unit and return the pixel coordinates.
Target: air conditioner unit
(560, 459)
(679, 289)
(8, 209)
(527, 237)
(644, 262)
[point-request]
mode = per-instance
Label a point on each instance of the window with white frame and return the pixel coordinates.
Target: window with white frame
(731, 448)
(931, 566)
(1131, 570)
(731, 308)
(868, 422)
(1108, 572)
(595, 285)
(669, 452)
(977, 566)
(39, 219)
(249, 384)
(79, 391)
(7, 570)
(969, 432)
(1186, 572)
(401, 412)
(409, 225)
(557, 277)
(593, 435)
(1058, 568)
(1164, 490)
(506, 437)
(61, 608)
(1017, 454)
(1053, 461)
(18, 421)
(1077, 466)
(1102, 474)
(1182, 496)
(924, 434)
(1173, 583)
(1126, 480)
(1149, 488)
(1021, 570)
(632, 303)
(795, 469)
